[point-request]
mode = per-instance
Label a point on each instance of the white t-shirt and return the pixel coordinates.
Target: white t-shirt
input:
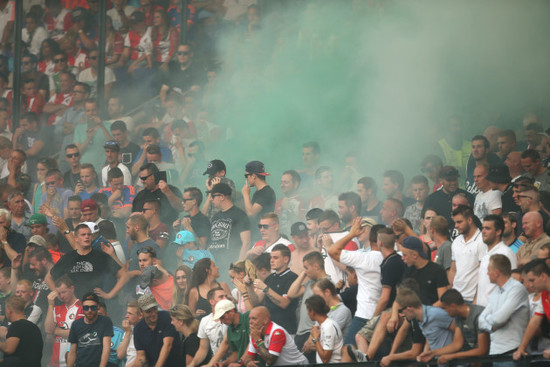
(40, 34)
(131, 352)
(485, 287)
(467, 256)
(212, 330)
(282, 240)
(125, 172)
(279, 343)
(367, 268)
(331, 338)
(486, 202)
(115, 16)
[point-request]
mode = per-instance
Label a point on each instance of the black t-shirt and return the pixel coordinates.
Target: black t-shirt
(225, 239)
(86, 271)
(17, 241)
(167, 214)
(429, 278)
(266, 198)
(508, 203)
(89, 338)
(185, 79)
(416, 333)
(349, 297)
(201, 225)
(151, 341)
(391, 271)
(129, 154)
(280, 283)
(441, 202)
(29, 349)
(373, 213)
(190, 346)
(39, 287)
(70, 179)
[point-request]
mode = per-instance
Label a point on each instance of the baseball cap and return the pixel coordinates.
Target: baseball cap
(222, 307)
(367, 222)
(298, 228)
(38, 218)
(149, 274)
(256, 167)
(184, 237)
(499, 174)
(37, 240)
(147, 301)
(449, 173)
(221, 188)
(111, 144)
(90, 296)
(314, 213)
(214, 166)
(88, 204)
(93, 226)
(415, 244)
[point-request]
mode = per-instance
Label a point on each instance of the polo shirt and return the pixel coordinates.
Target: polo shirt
(435, 327)
(237, 336)
(280, 283)
(467, 255)
(485, 287)
(430, 277)
(151, 340)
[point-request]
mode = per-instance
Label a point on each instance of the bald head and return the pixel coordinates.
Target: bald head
(259, 318)
(532, 225)
(491, 133)
(513, 162)
(260, 311)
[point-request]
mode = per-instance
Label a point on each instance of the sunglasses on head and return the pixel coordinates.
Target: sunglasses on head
(89, 308)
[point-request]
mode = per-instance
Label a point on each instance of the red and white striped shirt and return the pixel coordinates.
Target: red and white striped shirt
(64, 317)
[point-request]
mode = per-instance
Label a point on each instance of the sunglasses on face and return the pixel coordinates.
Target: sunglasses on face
(59, 60)
(143, 178)
(72, 155)
(92, 57)
(264, 226)
(89, 308)
(184, 53)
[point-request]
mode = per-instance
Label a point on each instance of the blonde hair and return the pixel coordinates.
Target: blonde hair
(184, 313)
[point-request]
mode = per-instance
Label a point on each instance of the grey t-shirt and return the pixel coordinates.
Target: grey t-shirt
(305, 324)
(470, 327)
(443, 256)
(341, 315)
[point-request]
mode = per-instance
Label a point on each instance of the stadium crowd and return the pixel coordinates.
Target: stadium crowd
(124, 242)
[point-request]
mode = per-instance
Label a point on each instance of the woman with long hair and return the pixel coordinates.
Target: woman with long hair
(204, 278)
(182, 278)
(425, 236)
(243, 287)
(46, 62)
(186, 324)
(165, 39)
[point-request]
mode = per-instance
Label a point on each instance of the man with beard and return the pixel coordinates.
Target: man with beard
(39, 265)
(349, 208)
(290, 208)
(136, 229)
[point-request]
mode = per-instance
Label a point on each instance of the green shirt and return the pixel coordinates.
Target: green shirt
(238, 336)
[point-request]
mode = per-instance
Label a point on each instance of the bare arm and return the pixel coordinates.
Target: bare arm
(530, 332)
(383, 300)
(165, 351)
(201, 353)
(297, 287)
(222, 350)
(71, 357)
(105, 352)
(245, 240)
(452, 273)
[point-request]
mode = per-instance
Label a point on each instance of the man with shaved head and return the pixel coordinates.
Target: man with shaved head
(536, 238)
(513, 162)
(391, 210)
(492, 133)
(271, 342)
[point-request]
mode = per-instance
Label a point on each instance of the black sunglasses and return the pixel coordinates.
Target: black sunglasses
(73, 155)
(89, 308)
(184, 53)
(143, 178)
(59, 60)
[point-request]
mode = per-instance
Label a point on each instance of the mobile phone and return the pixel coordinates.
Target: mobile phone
(160, 175)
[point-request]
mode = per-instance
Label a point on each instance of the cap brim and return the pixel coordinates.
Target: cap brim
(150, 306)
(219, 315)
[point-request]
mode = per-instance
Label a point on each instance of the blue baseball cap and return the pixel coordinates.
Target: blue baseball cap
(184, 237)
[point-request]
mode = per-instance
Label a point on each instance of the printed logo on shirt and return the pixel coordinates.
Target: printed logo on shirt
(82, 267)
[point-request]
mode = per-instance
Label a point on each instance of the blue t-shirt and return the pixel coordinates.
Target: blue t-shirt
(190, 257)
(118, 334)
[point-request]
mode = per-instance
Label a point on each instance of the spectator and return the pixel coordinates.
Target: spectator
(480, 155)
(196, 222)
(57, 19)
(487, 201)
(120, 14)
(290, 208)
(393, 187)
(186, 74)
(269, 231)
(30, 71)
(413, 212)
(60, 318)
(506, 141)
(493, 226)
(32, 100)
(391, 211)
(468, 250)
(33, 313)
(112, 155)
(89, 75)
(126, 348)
(90, 336)
(349, 208)
(531, 162)
(326, 199)
(270, 341)
(31, 138)
(205, 275)
(338, 310)
(431, 166)
(507, 313)
(500, 180)
(535, 238)
(60, 102)
(311, 151)
(20, 214)
(439, 232)
(326, 335)
(23, 345)
(161, 347)
(33, 34)
(509, 235)
(300, 237)
(136, 230)
(263, 200)
(128, 149)
(158, 231)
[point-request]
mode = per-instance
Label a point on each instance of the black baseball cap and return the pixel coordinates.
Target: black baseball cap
(214, 166)
(298, 228)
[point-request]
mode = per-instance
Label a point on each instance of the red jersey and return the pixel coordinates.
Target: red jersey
(139, 45)
(60, 98)
(34, 104)
(165, 47)
(64, 317)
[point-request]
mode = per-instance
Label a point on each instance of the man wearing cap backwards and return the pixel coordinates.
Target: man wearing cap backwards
(235, 340)
(270, 342)
(300, 237)
(230, 228)
(156, 340)
(263, 200)
(89, 211)
(112, 157)
(499, 179)
(90, 336)
(86, 267)
(440, 201)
